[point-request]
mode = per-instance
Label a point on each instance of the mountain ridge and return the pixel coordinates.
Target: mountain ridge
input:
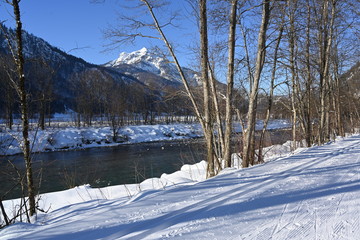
(64, 72)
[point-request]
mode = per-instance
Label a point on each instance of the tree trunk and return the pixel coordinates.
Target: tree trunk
(326, 39)
(218, 140)
(42, 110)
(337, 100)
(230, 84)
(206, 89)
(9, 115)
(271, 94)
(292, 40)
(249, 134)
(308, 125)
(19, 60)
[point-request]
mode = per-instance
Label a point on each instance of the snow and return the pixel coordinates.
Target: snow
(56, 139)
(131, 58)
(310, 194)
(143, 59)
(79, 138)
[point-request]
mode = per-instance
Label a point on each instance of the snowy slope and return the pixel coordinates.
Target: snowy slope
(313, 194)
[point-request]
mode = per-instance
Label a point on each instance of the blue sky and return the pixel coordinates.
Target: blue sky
(75, 26)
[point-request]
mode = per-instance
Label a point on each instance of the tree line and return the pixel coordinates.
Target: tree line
(295, 48)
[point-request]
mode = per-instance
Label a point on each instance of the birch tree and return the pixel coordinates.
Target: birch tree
(326, 26)
(230, 83)
(249, 133)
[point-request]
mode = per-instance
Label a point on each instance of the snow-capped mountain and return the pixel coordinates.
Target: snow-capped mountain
(143, 72)
(150, 66)
(142, 59)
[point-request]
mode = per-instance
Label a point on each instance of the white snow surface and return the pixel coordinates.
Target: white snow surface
(56, 139)
(311, 194)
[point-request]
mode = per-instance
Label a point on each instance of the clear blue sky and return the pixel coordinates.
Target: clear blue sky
(75, 26)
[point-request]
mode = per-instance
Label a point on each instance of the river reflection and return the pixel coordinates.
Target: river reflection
(101, 167)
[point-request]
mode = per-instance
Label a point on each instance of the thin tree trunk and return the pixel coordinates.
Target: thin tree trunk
(292, 39)
(324, 75)
(308, 128)
(42, 110)
(19, 60)
(271, 95)
(249, 134)
(206, 89)
(230, 84)
(220, 137)
(9, 114)
(337, 100)
(177, 64)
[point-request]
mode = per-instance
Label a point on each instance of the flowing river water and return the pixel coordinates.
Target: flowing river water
(107, 166)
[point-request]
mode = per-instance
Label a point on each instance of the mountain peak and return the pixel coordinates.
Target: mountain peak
(143, 51)
(132, 57)
(142, 59)
(152, 61)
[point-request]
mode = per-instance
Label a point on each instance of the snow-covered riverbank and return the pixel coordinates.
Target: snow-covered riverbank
(312, 194)
(78, 138)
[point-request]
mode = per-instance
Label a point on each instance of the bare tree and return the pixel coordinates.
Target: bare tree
(40, 73)
(19, 85)
(249, 133)
(230, 83)
(204, 118)
(272, 88)
(292, 36)
(325, 39)
(115, 105)
(207, 118)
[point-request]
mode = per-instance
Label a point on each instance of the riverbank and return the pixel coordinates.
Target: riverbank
(188, 174)
(71, 138)
(312, 193)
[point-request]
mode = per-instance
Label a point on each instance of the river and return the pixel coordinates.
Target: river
(100, 167)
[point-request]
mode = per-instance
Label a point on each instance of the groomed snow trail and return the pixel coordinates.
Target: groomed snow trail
(314, 194)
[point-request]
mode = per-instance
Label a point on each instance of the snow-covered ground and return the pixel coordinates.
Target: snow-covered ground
(56, 139)
(311, 194)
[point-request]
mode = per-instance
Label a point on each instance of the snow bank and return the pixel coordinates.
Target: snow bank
(79, 138)
(188, 174)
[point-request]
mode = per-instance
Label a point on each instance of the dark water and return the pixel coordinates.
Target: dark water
(102, 167)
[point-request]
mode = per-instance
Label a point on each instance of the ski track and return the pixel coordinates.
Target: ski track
(300, 196)
(314, 216)
(213, 202)
(205, 205)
